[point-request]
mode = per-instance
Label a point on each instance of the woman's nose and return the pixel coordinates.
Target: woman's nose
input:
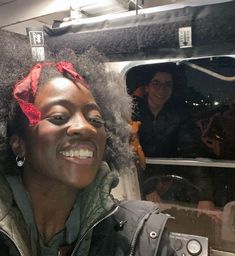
(81, 127)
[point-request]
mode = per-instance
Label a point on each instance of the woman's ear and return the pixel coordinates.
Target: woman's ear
(17, 145)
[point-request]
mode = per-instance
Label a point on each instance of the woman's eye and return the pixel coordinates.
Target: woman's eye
(58, 119)
(96, 121)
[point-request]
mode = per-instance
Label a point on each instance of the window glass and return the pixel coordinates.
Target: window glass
(194, 117)
(202, 200)
(212, 102)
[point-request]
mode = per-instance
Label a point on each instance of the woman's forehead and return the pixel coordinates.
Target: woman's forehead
(60, 89)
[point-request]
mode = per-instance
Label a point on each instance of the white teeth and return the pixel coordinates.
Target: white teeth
(82, 153)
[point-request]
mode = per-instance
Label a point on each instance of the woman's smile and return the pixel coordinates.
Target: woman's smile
(78, 153)
(81, 153)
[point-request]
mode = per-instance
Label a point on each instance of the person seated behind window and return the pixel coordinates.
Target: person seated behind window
(167, 130)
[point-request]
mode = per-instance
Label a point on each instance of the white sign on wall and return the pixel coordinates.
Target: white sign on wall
(36, 38)
(185, 37)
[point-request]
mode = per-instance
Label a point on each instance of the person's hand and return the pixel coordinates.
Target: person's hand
(206, 205)
(153, 196)
(208, 208)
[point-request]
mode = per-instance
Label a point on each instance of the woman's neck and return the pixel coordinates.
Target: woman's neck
(51, 207)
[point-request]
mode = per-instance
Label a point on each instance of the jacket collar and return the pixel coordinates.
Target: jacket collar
(6, 198)
(96, 200)
(96, 203)
(12, 223)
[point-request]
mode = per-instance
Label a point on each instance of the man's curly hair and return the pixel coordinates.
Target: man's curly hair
(106, 87)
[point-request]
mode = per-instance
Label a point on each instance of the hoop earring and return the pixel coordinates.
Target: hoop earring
(20, 161)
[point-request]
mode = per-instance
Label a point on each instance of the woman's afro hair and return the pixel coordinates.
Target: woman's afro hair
(106, 87)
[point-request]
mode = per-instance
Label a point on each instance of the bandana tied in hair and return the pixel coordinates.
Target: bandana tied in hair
(25, 90)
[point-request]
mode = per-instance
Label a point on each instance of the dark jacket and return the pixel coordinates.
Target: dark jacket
(108, 227)
(170, 134)
(137, 228)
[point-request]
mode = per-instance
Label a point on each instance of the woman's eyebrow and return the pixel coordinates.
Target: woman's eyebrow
(92, 106)
(68, 104)
(51, 103)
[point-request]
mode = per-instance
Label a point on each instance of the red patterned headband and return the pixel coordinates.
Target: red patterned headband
(25, 90)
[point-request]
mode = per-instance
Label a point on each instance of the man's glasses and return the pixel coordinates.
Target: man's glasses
(158, 84)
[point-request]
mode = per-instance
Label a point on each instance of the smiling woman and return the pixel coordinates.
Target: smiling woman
(64, 135)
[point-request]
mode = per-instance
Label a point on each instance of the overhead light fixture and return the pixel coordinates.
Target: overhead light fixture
(87, 3)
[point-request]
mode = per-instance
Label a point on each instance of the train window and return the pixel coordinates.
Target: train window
(187, 115)
(201, 108)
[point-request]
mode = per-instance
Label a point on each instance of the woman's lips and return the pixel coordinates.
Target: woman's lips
(79, 153)
(79, 161)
